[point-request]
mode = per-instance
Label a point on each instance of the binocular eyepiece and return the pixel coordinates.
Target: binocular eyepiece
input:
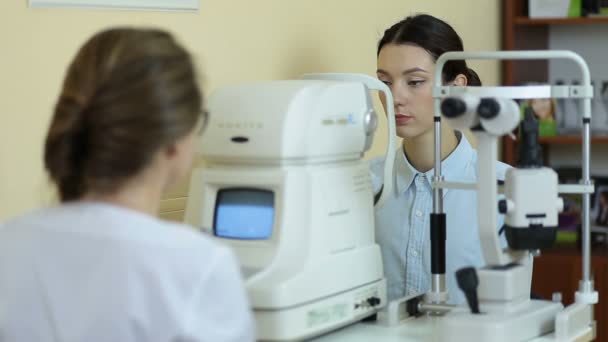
(497, 116)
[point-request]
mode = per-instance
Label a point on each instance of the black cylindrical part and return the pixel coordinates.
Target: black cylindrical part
(488, 108)
(453, 107)
(529, 148)
(438, 237)
(468, 283)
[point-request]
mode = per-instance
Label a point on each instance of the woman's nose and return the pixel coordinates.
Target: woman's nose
(399, 96)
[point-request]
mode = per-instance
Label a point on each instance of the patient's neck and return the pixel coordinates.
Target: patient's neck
(420, 152)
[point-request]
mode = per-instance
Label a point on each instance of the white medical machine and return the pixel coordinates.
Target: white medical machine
(498, 295)
(285, 186)
(531, 206)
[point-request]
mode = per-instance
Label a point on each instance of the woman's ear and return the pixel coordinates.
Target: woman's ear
(460, 80)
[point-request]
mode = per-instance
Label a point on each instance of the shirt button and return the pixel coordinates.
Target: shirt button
(414, 253)
(418, 213)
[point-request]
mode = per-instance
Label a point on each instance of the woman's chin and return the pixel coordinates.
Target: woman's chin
(408, 131)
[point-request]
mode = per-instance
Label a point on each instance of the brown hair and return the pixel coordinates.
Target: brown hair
(127, 94)
(436, 37)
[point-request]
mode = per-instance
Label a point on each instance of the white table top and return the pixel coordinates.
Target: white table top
(415, 330)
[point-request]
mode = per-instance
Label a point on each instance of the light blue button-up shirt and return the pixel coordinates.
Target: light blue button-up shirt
(403, 222)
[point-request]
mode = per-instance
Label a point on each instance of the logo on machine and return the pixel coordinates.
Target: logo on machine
(240, 124)
(351, 119)
(342, 120)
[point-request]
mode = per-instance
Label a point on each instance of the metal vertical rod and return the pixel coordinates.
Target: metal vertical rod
(586, 286)
(438, 284)
(437, 192)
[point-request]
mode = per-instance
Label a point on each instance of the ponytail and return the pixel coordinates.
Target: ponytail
(65, 149)
(472, 78)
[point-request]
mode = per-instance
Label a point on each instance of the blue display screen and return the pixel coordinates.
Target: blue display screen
(246, 214)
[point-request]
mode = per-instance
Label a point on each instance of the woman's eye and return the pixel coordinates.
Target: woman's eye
(415, 83)
(386, 82)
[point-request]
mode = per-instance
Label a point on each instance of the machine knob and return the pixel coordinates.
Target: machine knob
(370, 122)
(373, 301)
(502, 206)
(468, 282)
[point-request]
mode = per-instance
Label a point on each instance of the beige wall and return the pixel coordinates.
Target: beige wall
(233, 41)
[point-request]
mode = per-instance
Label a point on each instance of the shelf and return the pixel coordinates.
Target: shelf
(574, 139)
(565, 140)
(524, 21)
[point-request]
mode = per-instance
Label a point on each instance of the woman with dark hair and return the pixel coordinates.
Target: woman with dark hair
(406, 64)
(101, 266)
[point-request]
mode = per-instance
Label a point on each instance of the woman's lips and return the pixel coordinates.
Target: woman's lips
(402, 119)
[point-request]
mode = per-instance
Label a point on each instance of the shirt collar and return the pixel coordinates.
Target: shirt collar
(453, 168)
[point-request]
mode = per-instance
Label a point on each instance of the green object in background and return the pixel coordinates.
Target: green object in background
(547, 127)
(564, 236)
(575, 9)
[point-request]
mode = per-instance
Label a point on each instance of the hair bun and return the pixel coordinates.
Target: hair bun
(472, 78)
(65, 147)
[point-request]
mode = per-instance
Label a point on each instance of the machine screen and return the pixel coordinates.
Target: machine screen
(246, 214)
